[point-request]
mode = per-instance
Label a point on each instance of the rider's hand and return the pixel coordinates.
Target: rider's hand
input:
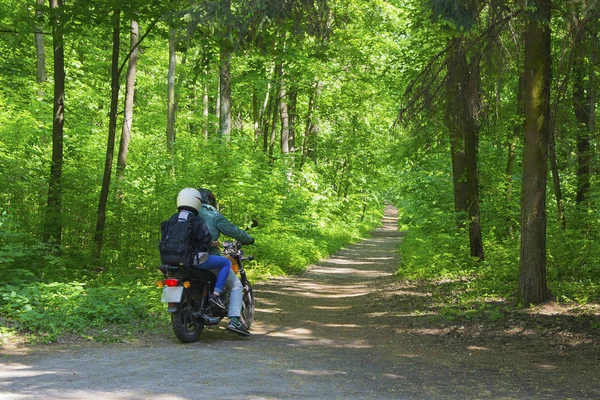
(215, 243)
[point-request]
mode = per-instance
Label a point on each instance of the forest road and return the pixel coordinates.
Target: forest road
(345, 329)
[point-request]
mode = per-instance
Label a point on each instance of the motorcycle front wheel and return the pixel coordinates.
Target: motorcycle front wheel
(247, 316)
(186, 327)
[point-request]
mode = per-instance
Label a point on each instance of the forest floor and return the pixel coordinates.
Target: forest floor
(345, 329)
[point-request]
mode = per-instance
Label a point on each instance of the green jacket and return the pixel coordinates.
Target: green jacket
(217, 224)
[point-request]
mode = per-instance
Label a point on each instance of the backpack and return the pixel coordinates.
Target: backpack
(177, 240)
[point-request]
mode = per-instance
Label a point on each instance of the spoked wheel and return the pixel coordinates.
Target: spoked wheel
(187, 328)
(247, 316)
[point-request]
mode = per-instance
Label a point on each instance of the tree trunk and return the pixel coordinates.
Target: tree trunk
(453, 113)
(560, 202)
(311, 133)
(53, 222)
(112, 128)
(225, 93)
(593, 56)
(129, 95)
(262, 115)
(533, 287)
(225, 73)
(171, 93)
(581, 108)
(472, 107)
(292, 102)
(511, 143)
(462, 107)
(205, 99)
(285, 118)
(39, 42)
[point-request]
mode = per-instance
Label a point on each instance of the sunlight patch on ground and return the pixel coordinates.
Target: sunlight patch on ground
(545, 366)
(376, 314)
(269, 310)
(316, 373)
(21, 371)
(477, 348)
(338, 294)
(410, 293)
(344, 271)
(520, 331)
(393, 376)
(335, 296)
(332, 307)
(305, 337)
(423, 331)
(297, 333)
(341, 325)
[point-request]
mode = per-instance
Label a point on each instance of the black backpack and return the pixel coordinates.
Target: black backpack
(177, 240)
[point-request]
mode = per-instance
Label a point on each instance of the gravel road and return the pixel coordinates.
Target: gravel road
(327, 334)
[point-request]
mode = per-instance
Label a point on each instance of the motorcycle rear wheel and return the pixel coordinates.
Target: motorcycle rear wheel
(187, 328)
(247, 316)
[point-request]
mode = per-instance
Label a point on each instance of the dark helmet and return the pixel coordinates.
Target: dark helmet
(208, 197)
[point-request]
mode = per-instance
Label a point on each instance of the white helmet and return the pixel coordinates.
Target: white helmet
(189, 197)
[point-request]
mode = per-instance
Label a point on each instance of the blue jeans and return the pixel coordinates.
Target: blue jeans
(223, 265)
(236, 294)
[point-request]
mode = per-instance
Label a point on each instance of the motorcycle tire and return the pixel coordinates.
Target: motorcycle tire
(247, 316)
(186, 327)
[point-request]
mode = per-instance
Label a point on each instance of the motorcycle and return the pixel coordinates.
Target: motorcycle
(186, 291)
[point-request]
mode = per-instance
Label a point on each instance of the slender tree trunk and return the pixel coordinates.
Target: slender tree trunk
(205, 99)
(581, 108)
(512, 139)
(311, 133)
(225, 73)
(285, 118)
(171, 107)
(292, 102)
(453, 115)
(266, 118)
(53, 222)
(560, 202)
(126, 128)
(592, 81)
(533, 287)
(262, 116)
(39, 42)
(472, 107)
(112, 128)
(225, 93)
(129, 95)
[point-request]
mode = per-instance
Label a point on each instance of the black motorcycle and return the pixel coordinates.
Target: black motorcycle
(187, 289)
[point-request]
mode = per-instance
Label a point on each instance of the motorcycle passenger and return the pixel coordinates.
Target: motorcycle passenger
(217, 223)
(188, 202)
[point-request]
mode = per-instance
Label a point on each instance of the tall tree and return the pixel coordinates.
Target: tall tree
(53, 228)
(225, 71)
(583, 101)
(129, 96)
(171, 91)
(533, 287)
(39, 42)
(112, 129)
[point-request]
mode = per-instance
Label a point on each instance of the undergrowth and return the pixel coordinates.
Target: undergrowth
(49, 300)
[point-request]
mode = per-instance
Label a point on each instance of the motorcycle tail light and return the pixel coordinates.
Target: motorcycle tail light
(160, 284)
(187, 284)
(171, 282)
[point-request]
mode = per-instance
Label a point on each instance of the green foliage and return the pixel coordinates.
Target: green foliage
(56, 309)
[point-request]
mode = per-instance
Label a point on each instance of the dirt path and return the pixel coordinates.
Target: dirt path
(343, 330)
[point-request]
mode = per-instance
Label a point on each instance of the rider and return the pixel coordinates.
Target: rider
(217, 224)
(188, 205)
